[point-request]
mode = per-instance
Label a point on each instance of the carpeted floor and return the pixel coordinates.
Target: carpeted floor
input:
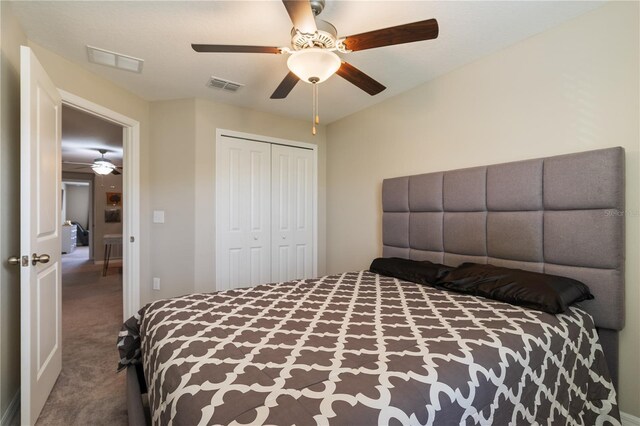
(88, 391)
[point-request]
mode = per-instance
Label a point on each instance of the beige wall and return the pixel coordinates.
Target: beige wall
(11, 36)
(86, 177)
(76, 204)
(172, 173)
(183, 134)
(573, 88)
(177, 170)
(102, 185)
(210, 116)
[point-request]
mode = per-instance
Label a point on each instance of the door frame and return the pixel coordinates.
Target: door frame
(130, 197)
(286, 142)
(91, 212)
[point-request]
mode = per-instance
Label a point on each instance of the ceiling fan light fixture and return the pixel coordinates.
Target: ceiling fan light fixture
(313, 65)
(102, 167)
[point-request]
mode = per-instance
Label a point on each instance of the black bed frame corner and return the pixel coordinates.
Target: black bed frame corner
(136, 386)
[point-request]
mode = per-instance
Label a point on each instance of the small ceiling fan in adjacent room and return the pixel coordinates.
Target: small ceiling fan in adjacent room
(100, 166)
(314, 44)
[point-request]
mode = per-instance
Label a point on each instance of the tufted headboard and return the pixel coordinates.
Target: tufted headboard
(560, 215)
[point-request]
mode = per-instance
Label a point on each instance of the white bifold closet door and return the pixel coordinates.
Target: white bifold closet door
(243, 213)
(264, 213)
(291, 213)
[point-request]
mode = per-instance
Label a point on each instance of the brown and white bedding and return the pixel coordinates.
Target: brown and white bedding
(361, 349)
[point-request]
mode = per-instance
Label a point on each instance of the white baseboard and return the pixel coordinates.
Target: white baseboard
(12, 415)
(112, 262)
(629, 420)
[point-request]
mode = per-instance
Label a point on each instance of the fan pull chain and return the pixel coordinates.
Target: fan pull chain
(317, 115)
(314, 119)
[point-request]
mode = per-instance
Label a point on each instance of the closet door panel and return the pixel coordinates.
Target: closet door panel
(303, 232)
(258, 239)
(280, 214)
(301, 261)
(243, 213)
(292, 212)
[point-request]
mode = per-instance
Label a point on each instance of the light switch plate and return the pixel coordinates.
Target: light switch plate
(158, 216)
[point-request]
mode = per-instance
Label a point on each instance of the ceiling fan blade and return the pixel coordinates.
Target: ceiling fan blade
(356, 77)
(115, 172)
(407, 33)
(230, 48)
(301, 15)
(78, 163)
(285, 86)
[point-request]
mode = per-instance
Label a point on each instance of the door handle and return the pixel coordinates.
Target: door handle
(43, 258)
(18, 260)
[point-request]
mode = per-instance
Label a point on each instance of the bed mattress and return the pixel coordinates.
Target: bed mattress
(361, 349)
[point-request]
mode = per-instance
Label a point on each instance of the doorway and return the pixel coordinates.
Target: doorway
(95, 299)
(77, 214)
(91, 293)
(130, 196)
(92, 188)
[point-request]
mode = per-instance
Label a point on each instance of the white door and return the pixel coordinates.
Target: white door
(243, 214)
(40, 198)
(292, 171)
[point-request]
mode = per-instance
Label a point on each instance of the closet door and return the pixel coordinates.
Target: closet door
(243, 210)
(292, 213)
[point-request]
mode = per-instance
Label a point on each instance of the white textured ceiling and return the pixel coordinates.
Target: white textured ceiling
(160, 32)
(83, 135)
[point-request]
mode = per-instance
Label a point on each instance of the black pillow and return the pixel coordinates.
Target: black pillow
(421, 272)
(543, 292)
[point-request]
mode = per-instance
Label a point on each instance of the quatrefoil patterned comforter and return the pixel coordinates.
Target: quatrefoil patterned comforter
(365, 349)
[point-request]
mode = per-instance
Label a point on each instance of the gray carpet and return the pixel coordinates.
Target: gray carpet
(88, 391)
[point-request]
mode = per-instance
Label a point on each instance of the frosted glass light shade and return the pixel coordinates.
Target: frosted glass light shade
(102, 167)
(313, 63)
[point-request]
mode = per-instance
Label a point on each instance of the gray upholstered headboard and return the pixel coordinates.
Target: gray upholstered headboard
(561, 215)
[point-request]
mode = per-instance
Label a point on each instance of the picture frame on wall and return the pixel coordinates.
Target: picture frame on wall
(112, 215)
(114, 198)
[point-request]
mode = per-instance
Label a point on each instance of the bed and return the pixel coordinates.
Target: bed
(365, 348)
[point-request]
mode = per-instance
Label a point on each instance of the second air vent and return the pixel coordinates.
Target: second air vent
(220, 83)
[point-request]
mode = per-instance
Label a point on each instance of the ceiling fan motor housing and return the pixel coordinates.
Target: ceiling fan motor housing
(317, 6)
(324, 38)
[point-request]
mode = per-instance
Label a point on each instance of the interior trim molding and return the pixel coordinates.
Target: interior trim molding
(131, 197)
(629, 420)
(12, 413)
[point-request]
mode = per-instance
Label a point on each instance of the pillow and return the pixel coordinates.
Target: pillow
(421, 272)
(543, 292)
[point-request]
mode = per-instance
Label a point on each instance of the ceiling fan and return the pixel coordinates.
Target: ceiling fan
(101, 166)
(314, 44)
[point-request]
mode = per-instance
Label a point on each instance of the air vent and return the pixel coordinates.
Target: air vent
(114, 59)
(219, 83)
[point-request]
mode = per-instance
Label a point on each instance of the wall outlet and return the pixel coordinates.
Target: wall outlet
(156, 283)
